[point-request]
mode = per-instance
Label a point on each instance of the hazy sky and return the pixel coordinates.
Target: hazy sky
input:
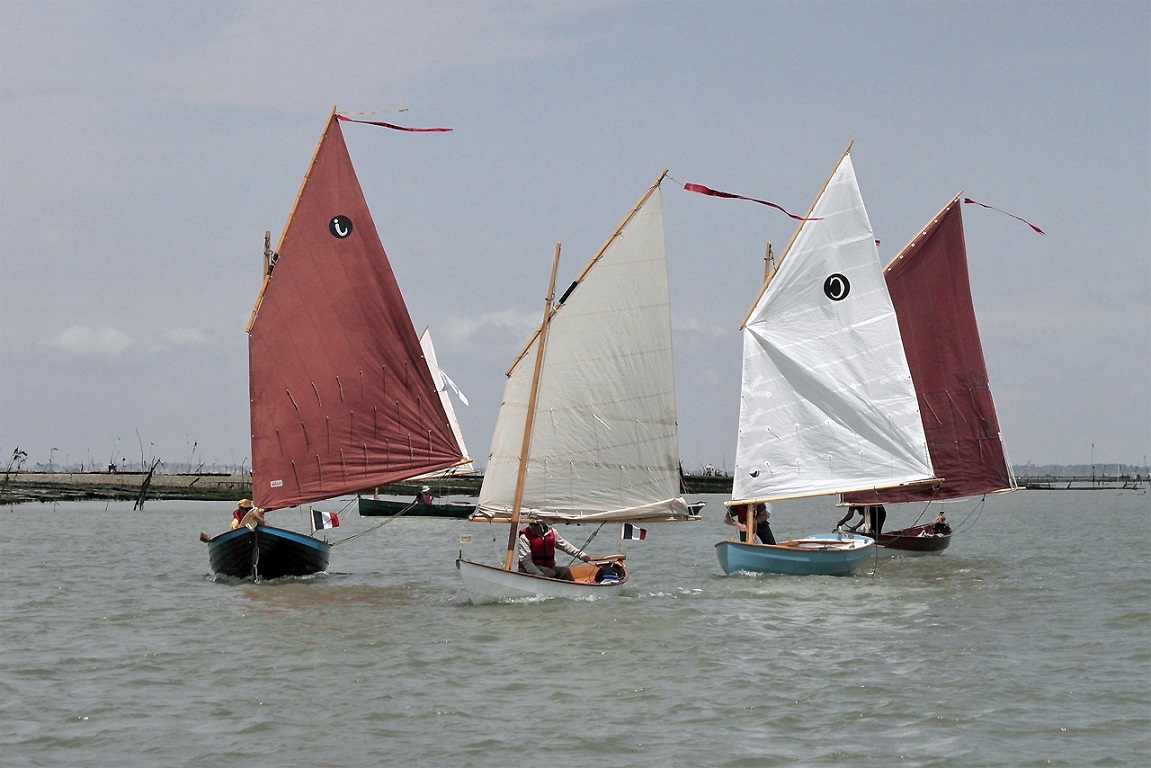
(146, 147)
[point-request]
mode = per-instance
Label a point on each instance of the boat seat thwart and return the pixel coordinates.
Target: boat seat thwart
(816, 544)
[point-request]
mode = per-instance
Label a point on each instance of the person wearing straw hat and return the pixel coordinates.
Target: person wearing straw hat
(247, 515)
(244, 514)
(239, 512)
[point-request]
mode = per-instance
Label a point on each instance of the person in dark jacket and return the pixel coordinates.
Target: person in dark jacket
(737, 517)
(871, 519)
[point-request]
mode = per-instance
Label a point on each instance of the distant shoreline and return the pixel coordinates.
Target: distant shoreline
(23, 487)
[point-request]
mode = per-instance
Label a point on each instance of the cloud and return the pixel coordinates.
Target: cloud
(461, 330)
(108, 342)
(179, 338)
(696, 327)
(91, 342)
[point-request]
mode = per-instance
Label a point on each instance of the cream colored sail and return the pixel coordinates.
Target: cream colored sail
(442, 384)
(827, 403)
(604, 444)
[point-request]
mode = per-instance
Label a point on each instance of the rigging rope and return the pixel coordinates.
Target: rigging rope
(589, 541)
(491, 525)
(977, 511)
(396, 516)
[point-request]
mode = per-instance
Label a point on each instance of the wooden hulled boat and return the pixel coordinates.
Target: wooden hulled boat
(931, 292)
(827, 403)
(599, 374)
(338, 404)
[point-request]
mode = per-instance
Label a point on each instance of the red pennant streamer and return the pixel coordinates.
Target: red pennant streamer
(394, 127)
(1005, 213)
(701, 189)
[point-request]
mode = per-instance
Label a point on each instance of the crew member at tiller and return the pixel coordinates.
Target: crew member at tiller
(537, 551)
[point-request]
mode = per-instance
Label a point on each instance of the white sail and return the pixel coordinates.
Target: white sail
(828, 403)
(604, 444)
(441, 381)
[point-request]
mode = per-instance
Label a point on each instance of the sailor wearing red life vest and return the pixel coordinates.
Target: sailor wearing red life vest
(537, 551)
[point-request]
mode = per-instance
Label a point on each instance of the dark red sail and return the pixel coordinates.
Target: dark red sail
(342, 399)
(931, 293)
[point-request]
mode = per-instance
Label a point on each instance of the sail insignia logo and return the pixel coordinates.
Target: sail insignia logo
(836, 287)
(340, 226)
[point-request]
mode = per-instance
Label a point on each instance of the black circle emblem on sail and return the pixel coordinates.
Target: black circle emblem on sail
(340, 226)
(836, 287)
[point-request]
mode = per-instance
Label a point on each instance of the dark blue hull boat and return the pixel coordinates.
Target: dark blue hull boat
(267, 553)
(387, 508)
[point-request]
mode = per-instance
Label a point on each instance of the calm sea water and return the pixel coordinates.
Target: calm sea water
(1027, 644)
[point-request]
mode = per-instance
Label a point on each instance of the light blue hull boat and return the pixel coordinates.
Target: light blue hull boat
(823, 554)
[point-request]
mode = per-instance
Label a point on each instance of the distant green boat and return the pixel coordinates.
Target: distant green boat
(388, 507)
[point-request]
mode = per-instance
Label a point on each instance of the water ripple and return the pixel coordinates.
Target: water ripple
(999, 653)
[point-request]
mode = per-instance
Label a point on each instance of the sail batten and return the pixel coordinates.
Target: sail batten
(331, 310)
(827, 403)
(604, 442)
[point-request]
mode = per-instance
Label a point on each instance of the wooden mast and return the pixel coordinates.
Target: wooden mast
(296, 202)
(802, 224)
(529, 418)
(751, 510)
(919, 234)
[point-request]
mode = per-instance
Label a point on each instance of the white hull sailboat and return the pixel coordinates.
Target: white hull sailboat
(827, 403)
(587, 429)
(486, 584)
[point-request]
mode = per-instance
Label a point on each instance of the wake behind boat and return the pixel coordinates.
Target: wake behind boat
(827, 403)
(338, 404)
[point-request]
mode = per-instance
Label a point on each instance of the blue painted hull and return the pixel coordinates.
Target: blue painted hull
(826, 554)
(267, 553)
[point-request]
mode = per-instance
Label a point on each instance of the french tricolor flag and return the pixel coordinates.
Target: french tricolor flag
(633, 532)
(322, 520)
